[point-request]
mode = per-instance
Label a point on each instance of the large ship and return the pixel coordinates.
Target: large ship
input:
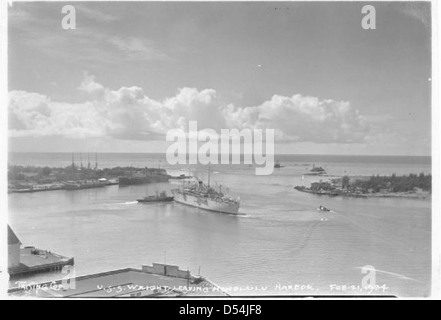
(200, 195)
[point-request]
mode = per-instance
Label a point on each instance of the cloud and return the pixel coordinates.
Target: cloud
(129, 114)
(95, 14)
(36, 115)
(302, 118)
(89, 84)
(137, 48)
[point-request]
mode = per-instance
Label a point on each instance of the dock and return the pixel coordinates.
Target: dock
(34, 260)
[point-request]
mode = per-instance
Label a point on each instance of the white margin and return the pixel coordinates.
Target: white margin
(436, 161)
(3, 148)
(436, 133)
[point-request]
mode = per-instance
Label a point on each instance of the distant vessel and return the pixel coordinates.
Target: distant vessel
(183, 181)
(203, 196)
(315, 171)
(277, 165)
(108, 182)
(47, 187)
(161, 197)
(150, 175)
(86, 184)
(181, 177)
(37, 187)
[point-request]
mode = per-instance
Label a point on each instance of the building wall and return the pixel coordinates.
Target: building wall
(13, 255)
(183, 274)
(172, 271)
(148, 269)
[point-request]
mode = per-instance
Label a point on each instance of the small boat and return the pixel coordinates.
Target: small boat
(322, 208)
(161, 197)
(316, 171)
(181, 177)
(277, 165)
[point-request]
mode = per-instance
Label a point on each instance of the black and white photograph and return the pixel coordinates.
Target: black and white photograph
(219, 149)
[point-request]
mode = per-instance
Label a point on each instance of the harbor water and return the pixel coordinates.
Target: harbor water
(278, 245)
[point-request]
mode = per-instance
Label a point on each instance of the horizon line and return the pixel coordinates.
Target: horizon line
(276, 154)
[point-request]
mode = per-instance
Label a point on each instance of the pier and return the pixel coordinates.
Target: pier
(33, 260)
(30, 260)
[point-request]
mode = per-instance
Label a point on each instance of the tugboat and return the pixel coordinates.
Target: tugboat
(161, 197)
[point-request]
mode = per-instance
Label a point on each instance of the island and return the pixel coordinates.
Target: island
(406, 186)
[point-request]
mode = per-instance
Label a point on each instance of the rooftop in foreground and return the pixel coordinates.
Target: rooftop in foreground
(158, 280)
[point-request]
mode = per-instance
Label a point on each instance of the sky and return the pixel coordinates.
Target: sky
(132, 71)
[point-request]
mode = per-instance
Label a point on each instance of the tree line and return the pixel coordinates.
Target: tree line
(392, 183)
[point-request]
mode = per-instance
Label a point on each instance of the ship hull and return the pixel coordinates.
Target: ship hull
(207, 204)
(166, 199)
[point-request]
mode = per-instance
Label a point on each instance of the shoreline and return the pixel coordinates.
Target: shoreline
(399, 195)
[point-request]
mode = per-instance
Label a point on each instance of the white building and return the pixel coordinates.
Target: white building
(13, 249)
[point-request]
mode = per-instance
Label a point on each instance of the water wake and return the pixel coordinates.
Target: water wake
(128, 202)
(244, 215)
